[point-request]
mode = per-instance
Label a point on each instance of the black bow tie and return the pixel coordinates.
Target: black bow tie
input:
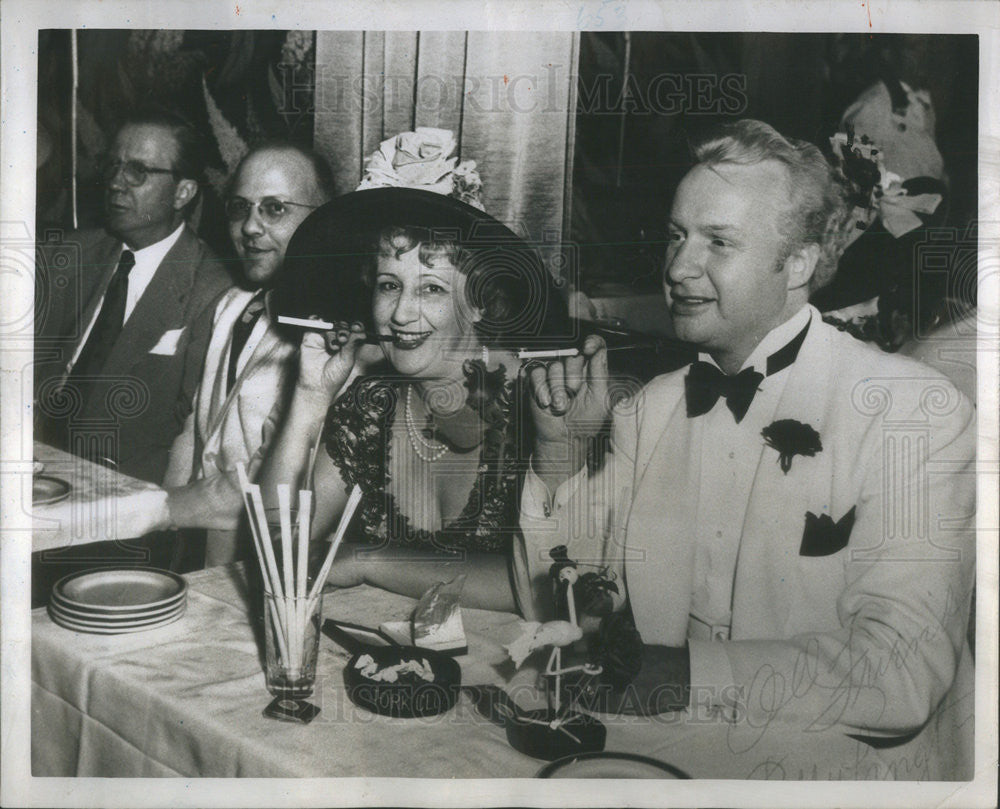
(705, 382)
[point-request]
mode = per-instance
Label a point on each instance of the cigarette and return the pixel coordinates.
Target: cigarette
(547, 355)
(304, 323)
(325, 325)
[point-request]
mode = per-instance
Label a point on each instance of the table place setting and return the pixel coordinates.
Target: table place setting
(392, 672)
(113, 601)
(47, 489)
(186, 699)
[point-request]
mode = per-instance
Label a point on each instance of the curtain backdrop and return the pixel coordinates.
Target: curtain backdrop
(510, 99)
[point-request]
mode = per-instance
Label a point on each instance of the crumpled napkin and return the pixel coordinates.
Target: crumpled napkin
(535, 635)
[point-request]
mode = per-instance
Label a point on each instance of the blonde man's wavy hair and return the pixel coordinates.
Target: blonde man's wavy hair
(817, 212)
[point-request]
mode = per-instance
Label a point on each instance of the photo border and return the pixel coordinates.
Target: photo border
(21, 21)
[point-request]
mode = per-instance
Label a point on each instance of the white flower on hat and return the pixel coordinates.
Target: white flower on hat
(423, 160)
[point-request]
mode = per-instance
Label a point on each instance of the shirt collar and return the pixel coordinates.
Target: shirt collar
(153, 254)
(779, 336)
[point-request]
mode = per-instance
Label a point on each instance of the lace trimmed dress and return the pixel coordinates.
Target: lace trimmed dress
(357, 437)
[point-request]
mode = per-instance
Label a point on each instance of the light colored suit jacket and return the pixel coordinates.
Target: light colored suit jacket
(229, 428)
(868, 639)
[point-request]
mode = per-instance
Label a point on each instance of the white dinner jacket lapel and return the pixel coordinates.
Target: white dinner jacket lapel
(767, 584)
(659, 547)
(212, 393)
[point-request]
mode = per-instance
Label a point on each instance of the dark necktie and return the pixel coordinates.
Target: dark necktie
(241, 333)
(108, 326)
(706, 383)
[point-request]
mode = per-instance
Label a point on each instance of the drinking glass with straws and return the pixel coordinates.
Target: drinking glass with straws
(293, 599)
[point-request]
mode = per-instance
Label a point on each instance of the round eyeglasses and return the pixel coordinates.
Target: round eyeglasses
(271, 209)
(135, 172)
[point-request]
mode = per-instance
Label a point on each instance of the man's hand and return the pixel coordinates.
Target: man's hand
(569, 405)
(326, 360)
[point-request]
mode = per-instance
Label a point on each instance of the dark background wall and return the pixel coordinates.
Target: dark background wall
(642, 93)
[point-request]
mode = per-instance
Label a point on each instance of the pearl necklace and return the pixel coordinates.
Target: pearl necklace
(417, 441)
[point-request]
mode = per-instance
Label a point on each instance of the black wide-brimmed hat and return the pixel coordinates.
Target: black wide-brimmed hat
(327, 259)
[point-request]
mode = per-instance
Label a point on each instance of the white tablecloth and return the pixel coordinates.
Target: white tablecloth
(186, 700)
(102, 504)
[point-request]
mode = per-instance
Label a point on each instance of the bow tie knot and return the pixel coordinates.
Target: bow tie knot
(705, 384)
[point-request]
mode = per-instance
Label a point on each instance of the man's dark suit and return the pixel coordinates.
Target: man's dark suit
(135, 407)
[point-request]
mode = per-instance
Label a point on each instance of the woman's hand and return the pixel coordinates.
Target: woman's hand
(327, 359)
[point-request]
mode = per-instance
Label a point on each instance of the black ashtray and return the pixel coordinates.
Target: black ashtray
(539, 735)
(410, 695)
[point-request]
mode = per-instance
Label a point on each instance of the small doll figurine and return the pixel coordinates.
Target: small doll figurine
(556, 731)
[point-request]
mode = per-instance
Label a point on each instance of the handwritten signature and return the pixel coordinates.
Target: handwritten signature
(864, 764)
(854, 686)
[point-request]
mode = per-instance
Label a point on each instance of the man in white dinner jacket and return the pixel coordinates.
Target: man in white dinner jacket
(792, 515)
(249, 360)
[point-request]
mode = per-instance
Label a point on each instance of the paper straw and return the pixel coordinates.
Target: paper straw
(271, 565)
(301, 612)
(288, 572)
(259, 548)
(265, 540)
(305, 506)
(285, 519)
(254, 529)
(345, 519)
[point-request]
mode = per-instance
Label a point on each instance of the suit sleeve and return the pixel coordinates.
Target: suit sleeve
(904, 608)
(586, 514)
(181, 465)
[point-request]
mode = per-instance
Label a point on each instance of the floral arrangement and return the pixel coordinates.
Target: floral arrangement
(424, 159)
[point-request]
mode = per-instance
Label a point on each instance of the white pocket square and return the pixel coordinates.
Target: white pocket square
(167, 346)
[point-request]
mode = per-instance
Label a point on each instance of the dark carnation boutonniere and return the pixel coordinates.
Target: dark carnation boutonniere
(790, 438)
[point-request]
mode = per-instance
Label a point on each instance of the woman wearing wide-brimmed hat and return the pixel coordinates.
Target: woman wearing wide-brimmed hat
(438, 436)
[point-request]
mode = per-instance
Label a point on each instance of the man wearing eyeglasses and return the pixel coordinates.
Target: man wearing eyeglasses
(122, 334)
(273, 189)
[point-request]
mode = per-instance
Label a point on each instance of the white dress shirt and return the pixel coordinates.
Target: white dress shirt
(729, 462)
(147, 261)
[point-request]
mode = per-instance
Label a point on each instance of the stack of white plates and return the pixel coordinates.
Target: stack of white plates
(110, 601)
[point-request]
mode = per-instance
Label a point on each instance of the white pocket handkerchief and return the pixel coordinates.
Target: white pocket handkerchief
(167, 346)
